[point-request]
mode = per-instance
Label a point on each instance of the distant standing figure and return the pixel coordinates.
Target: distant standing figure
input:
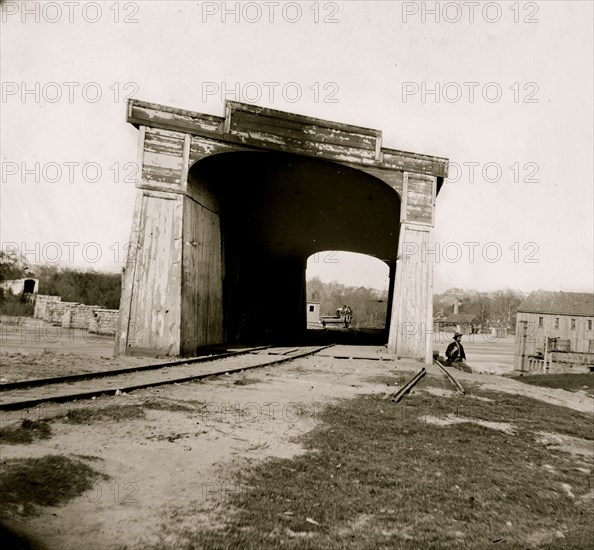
(348, 317)
(343, 313)
(455, 351)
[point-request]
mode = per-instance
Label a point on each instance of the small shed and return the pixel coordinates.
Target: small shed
(20, 286)
(313, 312)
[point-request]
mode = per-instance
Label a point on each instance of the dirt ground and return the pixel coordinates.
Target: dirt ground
(174, 468)
(32, 348)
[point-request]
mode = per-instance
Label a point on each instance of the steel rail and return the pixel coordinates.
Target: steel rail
(459, 386)
(35, 382)
(408, 386)
(72, 394)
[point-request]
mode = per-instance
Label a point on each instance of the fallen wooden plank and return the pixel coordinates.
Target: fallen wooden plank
(408, 386)
(450, 377)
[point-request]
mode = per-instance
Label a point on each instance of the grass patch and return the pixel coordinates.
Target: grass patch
(528, 414)
(15, 306)
(26, 484)
(27, 432)
(569, 382)
(111, 413)
(378, 476)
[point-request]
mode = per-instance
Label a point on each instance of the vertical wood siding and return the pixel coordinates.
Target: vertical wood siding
(202, 278)
(156, 289)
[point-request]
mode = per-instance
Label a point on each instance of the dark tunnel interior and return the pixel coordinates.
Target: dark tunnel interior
(276, 210)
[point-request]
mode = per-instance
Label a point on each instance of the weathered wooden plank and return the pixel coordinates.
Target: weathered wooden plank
(300, 130)
(420, 185)
(160, 175)
(164, 141)
(301, 144)
(234, 107)
(412, 162)
(420, 214)
(277, 143)
(419, 199)
(151, 114)
(160, 160)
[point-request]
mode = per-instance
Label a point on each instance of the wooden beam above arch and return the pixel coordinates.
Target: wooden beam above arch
(262, 128)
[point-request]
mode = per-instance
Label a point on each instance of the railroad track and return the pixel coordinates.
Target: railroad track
(398, 395)
(31, 393)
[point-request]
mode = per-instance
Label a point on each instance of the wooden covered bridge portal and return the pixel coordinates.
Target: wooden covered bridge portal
(229, 209)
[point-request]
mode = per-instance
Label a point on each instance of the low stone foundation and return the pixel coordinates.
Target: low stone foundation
(95, 319)
(104, 321)
(42, 302)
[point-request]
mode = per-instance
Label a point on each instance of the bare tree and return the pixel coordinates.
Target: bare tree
(505, 304)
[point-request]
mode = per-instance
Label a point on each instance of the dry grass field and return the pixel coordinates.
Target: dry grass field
(308, 454)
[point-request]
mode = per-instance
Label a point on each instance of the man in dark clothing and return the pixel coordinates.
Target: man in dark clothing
(455, 351)
(349, 317)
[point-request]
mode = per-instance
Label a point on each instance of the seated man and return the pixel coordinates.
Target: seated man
(455, 351)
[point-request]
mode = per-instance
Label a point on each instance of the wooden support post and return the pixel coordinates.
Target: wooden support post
(411, 324)
(150, 306)
(520, 358)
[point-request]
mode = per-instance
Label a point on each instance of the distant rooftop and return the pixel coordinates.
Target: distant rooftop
(559, 303)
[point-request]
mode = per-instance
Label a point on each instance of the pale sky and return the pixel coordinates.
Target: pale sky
(525, 127)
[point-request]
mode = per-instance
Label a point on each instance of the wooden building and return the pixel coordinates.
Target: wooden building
(555, 333)
(229, 208)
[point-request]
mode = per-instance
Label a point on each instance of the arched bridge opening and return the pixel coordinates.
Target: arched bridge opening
(277, 209)
(352, 304)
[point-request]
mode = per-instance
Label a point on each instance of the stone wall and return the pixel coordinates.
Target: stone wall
(95, 319)
(56, 311)
(104, 321)
(78, 316)
(41, 305)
